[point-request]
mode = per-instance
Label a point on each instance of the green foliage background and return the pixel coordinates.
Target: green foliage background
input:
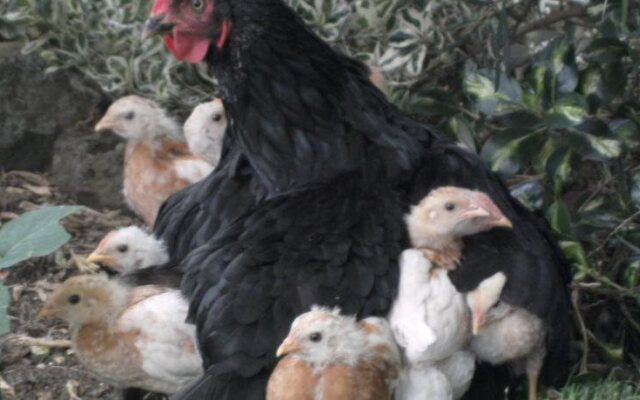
(546, 91)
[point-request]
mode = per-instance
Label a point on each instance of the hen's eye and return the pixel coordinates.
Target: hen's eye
(74, 299)
(449, 206)
(129, 115)
(122, 248)
(197, 4)
(315, 337)
(217, 117)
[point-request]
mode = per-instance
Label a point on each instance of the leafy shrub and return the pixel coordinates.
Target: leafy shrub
(33, 234)
(545, 91)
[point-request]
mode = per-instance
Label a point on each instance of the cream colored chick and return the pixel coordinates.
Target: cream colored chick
(430, 318)
(204, 130)
(157, 160)
(504, 333)
(128, 337)
(328, 356)
(129, 249)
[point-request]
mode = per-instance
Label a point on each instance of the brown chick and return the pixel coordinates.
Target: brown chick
(502, 333)
(437, 227)
(157, 160)
(328, 356)
(128, 337)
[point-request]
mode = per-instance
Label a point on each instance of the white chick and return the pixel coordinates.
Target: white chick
(504, 333)
(129, 249)
(429, 317)
(204, 130)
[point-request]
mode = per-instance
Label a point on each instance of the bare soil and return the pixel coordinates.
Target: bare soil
(28, 370)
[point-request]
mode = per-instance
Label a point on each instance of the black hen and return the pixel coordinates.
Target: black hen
(306, 206)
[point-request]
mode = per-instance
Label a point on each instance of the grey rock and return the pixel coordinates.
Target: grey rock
(87, 167)
(36, 108)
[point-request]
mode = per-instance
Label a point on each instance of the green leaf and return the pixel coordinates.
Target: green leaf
(635, 188)
(570, 110)
(625, 130)
(4, 305)
(632, 275)
(33, 234)
(560, 218)
(574, 251)
(506, 152)
(530, 193)
(462, 130)
(561, 165)
(606, 50)
(593, 147)
(479, 85)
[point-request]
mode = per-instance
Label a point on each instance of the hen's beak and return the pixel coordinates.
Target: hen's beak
(156, 25)
(289, 345)
(99, 258)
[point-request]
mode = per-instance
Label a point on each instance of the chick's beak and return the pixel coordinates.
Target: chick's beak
(481, 205)
(477, 321)
(47, 311)
(99, 258)
(289, 345)
(156, 25)
(103, 125)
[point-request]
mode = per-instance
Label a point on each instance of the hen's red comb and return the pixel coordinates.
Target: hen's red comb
(160, 7)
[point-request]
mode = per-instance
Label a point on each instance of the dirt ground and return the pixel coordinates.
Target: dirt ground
(29, 370)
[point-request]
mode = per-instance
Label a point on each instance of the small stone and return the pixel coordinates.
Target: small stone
(37, 350)
(59, 360)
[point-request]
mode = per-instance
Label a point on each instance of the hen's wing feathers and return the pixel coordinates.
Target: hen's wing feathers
(245, 293)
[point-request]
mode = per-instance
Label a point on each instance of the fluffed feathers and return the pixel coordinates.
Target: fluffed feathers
(129, 337)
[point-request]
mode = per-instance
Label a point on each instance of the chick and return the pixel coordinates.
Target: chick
(204, 130)
(157, 161)
(439, 222)
(128, 337)
(504, 333)
(328, 356)
(129, 249)
(429, 317)
(377, 78)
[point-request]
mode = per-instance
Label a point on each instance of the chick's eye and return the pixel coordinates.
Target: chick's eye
(449, 206)
(217, 117)
(315, 337)
(129, 115)
(74, 299)
(122, 248)
(197, 4)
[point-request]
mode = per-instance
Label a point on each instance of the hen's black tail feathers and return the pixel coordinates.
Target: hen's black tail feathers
(228, 386)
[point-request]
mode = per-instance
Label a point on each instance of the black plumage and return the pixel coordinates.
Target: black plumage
(306, 205)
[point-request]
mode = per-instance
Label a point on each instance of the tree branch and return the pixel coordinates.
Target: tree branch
(552, 18)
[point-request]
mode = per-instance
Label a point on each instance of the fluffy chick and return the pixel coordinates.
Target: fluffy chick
(128, 337)
(328, 356)
(447, 214)
(504, 333)
(430, 318)
(204, 130)
(129, 249)
(157, 161)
